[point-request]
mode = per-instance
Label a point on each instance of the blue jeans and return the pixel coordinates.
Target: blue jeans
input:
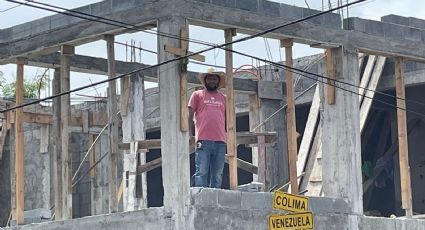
(209, 163)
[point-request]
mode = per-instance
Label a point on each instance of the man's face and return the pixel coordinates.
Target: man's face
(211, 82)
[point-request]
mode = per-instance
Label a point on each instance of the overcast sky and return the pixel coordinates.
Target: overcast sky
(372, 9)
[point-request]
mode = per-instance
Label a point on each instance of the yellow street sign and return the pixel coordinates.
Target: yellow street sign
(289, 202)
(292, 221)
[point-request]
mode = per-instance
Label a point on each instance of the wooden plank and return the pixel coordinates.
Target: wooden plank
(180, 52)
(113, 126)
(331, 75)
(254, 120)
(65, 71)
(91, 155)
(151, 165)
(57, 146)
(406, 189)
(366, 76)
(184, 112)
(230, 112)
(290, 117)
(125, 94)
(19, 145)
(261, 159)
(309, 132)
(369, 95)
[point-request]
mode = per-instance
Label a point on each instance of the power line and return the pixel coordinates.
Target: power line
(168, 61)
(126, 25)
(222, 46)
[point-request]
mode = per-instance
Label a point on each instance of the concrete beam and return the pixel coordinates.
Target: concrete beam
(47, 34)
(94, 65)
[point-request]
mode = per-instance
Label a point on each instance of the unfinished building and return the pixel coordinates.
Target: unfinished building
(358, 153)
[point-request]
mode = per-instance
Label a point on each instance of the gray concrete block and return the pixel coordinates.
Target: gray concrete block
(308, 12)
(5, 35)
(21, 31)
(204, 197)
(330, 222)
(100, 8)
(122, 4)
(374, 223)
(417, 23)
(290, 12)
(396, 19)
(229, 199)
(269, 8)
(393, 31)
(225, 3)
(257, 201)
(354, 24)
(328, 205)
(374, 28)
(250, 5)
(40, 26)
(412, 34)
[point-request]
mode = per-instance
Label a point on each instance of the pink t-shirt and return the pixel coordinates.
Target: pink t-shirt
(210, 115)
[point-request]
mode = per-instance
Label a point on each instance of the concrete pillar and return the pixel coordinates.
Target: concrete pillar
(340, 124)
(174, 143)
(57, 147)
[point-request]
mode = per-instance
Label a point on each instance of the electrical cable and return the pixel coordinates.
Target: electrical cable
(256, 35)
(173, 59)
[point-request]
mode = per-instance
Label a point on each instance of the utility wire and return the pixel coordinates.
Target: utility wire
(133, 27)
(222, 46)
(171, 60)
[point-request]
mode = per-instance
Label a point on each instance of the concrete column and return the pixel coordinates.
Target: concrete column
(174, 143)
(57, 146)
(340, 123)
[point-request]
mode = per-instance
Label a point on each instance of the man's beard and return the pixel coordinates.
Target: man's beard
(211, 88)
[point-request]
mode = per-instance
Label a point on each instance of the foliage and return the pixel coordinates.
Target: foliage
(31, 87)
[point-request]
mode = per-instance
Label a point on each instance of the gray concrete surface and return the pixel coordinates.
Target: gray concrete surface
(214, 209)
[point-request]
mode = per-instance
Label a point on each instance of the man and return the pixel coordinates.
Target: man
(208, 106)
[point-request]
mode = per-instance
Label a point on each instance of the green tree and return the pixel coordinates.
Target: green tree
(32, 87)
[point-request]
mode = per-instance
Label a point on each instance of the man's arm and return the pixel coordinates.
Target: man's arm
(191, 124)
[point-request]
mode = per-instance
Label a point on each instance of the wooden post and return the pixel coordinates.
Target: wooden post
(290, 117)
(331, 76)
(254, 120)
(113, 126)
(19, 144)
(184, 112)
(57, 156)
(230, 112)
(406, 190)
(67, 52)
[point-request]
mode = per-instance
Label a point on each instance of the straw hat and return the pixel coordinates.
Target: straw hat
(212, 71)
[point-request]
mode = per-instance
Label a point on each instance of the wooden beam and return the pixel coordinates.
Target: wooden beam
(151, 165)
(406, 189)
(331, 76)
(57, 147)
(230, 112)
(366, 76)
(254, 120)
(181, 52)
(91, 155)
(290, 117)
(309, 133)
(369, 94)
(113, 126)
(65, 111)
(125, 94)
(184, 112)
(19, 145)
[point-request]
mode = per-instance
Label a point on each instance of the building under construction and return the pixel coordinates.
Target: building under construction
(343, 128)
